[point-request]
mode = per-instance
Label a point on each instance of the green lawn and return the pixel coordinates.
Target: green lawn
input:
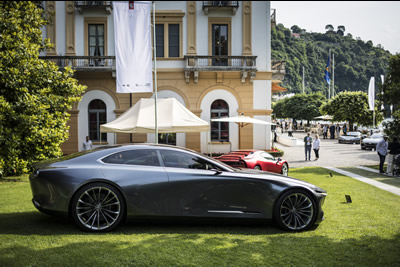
(390, 180)
(364, 233)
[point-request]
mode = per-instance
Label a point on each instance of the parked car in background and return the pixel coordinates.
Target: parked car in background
(350, 138)
(371, 141)
(100, 187)
(255, 159)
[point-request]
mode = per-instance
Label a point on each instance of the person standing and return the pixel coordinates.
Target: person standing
(325, 131)
(290, 130)
(345, 129)
(332, 131)
(338, 130)
(394, 149)
(382, 149)
(308, 145)
(316, 144)
(87, 144)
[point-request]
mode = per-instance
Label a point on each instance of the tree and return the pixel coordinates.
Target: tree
(296, 29)
(34, 95)
(352, 107)
(300, 106)
(391, 96)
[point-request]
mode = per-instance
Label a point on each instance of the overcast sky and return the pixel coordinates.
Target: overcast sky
(378, 21)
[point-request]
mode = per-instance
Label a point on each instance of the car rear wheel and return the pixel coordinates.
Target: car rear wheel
(295, 210)
(98, 207)
(285, 169)
(258, 168)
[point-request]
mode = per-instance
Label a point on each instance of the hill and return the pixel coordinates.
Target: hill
(355, 60)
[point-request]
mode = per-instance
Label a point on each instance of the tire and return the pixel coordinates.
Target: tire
(285, 169)
(98, 207)
(295, 211)
(257, 167)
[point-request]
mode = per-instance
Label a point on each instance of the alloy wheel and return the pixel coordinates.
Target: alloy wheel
(296, 211)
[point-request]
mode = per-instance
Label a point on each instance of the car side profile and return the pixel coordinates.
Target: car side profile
(101, 187)
(371, 141)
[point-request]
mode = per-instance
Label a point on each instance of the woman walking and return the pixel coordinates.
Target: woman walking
(316, 145)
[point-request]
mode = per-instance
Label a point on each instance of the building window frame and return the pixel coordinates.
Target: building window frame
(217, 20)
(100, 137)
(166, 18)
(95, 20)
(216, 113)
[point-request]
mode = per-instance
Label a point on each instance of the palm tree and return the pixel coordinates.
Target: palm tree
(329, 27)
(340, 30)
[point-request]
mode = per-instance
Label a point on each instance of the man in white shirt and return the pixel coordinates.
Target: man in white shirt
(87, 145)
(382, 150)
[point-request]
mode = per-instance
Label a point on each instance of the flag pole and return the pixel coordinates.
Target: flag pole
(333, 75)
(155, 73)
(329, 84)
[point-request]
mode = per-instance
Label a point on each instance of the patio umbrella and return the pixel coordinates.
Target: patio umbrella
(324, 117)
(242, 121)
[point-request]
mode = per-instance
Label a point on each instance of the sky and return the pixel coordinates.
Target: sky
(378, 21)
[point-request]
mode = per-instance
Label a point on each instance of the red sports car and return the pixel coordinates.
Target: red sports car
(255, 159)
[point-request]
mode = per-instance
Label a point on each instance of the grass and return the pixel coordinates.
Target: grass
(390, 180)
(363, 233)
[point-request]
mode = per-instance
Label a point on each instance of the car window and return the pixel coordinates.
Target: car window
(267, 156)
(178, 159)
(146, 157)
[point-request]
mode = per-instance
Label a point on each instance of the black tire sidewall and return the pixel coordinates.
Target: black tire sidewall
(88, 186)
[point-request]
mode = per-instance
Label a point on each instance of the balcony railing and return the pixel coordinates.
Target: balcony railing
(208, 5)
(84, 63)
(244, 64)
(83, 5)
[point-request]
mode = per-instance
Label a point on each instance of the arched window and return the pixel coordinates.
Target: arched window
(219, 130)
(97, 116)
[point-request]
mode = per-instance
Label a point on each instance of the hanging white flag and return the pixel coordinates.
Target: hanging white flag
(382, 77)
(371, 94)
(132, 34)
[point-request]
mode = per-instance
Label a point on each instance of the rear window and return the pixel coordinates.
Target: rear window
(144, 157)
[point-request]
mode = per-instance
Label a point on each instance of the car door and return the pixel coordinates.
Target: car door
(142, 179)
(271, 163)
(198, 187)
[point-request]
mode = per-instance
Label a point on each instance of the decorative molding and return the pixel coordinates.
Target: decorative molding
(70, 28)
(191, 27)
(51, 28)
(246, 29)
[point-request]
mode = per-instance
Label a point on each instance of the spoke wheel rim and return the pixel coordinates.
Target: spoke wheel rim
(285, 170)
(98, 208)
(296, 211)
(257, 168)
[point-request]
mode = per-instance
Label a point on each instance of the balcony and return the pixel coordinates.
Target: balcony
(221, 5)
(81, 6)
(243, 64)
(278, 69)
(84, 63)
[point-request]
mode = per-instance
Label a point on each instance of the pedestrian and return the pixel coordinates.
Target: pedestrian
(382, 149)
(316, 144)
(345, 129)
(308, 145)
(290, 130)
(332, 131)
(283, 126)
(87, 144)
(338, 130)
(394, 149)
(325, 131)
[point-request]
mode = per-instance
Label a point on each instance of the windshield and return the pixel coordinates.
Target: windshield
(353, 133)
(376, 136)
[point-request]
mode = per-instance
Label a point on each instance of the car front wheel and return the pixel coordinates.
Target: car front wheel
(258, 168)
(98, 207)
(295, 210)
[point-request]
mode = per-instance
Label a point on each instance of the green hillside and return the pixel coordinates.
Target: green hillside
(355, 60)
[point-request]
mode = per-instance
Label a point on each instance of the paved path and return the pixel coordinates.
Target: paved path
(333, 155)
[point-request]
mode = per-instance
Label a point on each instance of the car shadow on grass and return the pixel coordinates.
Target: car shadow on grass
(36, 223)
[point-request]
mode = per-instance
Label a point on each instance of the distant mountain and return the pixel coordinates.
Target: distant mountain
(355, 60)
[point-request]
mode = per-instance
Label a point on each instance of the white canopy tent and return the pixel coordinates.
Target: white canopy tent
(173, 117)
(242, 121)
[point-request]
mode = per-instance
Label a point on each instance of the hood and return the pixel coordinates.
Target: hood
(371, 140)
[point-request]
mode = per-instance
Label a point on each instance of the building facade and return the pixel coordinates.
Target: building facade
(212, 56)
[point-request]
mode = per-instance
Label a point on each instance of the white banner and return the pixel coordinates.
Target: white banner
(132, 34)
(371, 94)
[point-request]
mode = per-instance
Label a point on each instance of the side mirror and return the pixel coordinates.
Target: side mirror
(277, 161)
(217, 172)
